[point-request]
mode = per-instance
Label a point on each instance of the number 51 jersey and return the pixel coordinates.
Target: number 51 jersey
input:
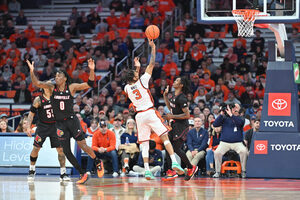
(139, 94)
(62, 103)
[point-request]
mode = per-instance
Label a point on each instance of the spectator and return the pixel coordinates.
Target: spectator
(116, 5)
(239, 50)
(67, 43)
(168, 40)
(93, 128)
(118, 130)
(231, 137)
(128, 148)
(155, 161)
(194, 28)
(23, 125)
(58, 29)
(4, 127)
(74, 15)
(29, 32)
(72, 29)
(214, 140)
(14, 6)
(3, 117)
(99, 7)
(93, 18)
(85, 26)
(23, 95)
(8, 29)
(137, 22)
(248, 95)
(102, 64)
(257, 41)
(3, 84)
(196, 142)
(28, 50)
(232, 57)
(6, 16)
(21, 19)
(219, 43)
(170, 65)
(111, 19)
(104, 146)
(22, 40)
(249, 133)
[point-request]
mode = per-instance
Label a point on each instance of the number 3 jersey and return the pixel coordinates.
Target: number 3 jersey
(62, 103)
(45, 112)
(139, 94)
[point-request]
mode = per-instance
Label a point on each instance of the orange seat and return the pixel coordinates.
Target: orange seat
(137, 34)
(231, 165)
(8, 94)
(212, 34)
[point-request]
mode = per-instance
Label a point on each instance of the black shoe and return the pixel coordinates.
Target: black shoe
(64, 177)
(31, 175)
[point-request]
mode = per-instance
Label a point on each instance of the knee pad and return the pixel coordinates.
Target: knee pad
(144, 147)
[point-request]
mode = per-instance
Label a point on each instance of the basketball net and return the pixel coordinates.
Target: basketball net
(245, 19)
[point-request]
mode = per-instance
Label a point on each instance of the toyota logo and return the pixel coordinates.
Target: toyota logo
(260, 147)
(279, 104)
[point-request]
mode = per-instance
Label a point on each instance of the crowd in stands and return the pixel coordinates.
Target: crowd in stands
(109, 118)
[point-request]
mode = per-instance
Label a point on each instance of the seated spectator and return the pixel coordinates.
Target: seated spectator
(3, 117)
(21, 41)
(102, 64)
(21, 19)
(102, 26)
(118, 130)
(23, 125)
(112, 19)
(72, 29)
(194, 28)
(67, 43)
(219, 43)
(196, 142)
(168, 40)
(206, 82)
(249, 133)
(231, 138)
(29, 32)
(99, 7)
(14, 6)
(104, 146)
(58, 29)
(4, 127)
(128, 149)
(248, 95)
(214, 140)
(239, 50)
(134, 10)
(74, 15)
(93, 18)
(137, 22)
(170, 65)
(22, 95)
(241, 40)
(8, 30)
(257, 41)
(180, 29)
(43, 34)
(155, 161)
(232, 57)
(3, 84)
(116, 5)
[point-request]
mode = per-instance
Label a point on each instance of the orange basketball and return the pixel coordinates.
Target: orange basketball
(152, 32)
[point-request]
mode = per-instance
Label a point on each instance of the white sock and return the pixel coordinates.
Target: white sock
(63, 170)
(146, 165)
(173, 158)
(32, 167)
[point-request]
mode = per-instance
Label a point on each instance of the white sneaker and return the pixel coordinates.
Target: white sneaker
(64, 177)
(115, 174)
(122, 174)
(132, 173)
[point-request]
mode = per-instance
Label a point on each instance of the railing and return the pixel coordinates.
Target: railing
(171, 22)
(99, 83)
(119, 66)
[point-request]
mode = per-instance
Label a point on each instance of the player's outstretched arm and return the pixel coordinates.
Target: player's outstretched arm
(137, 64)
(40, 84)
(33, 109)
(167, 102)
(82, 86)
(150, 67)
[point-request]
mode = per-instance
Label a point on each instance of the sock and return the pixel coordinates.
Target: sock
(146, 165)
(126, 162)
(32, 167)
(63, 170)
(173, 158)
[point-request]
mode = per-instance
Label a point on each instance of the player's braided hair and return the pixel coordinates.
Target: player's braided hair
(186, 84)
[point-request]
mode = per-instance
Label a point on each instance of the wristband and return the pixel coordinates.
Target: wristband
(90, 83)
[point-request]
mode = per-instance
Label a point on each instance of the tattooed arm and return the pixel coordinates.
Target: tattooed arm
(36, 104)
(150, 67)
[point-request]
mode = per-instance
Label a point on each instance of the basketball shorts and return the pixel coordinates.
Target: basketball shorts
(179, 130)
(149, 120)
(43, 131)
(70, 128)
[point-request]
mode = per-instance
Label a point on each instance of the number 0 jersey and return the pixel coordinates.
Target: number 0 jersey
(62, 103)
(45, 112)
(139, 94)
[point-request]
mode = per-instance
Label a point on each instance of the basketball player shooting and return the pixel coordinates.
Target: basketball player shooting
(45, 128)
(147, 117)
(67, 123)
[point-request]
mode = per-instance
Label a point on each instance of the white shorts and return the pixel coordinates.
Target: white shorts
(149, 120)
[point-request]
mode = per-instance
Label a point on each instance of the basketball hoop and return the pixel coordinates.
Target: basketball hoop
(245, 19)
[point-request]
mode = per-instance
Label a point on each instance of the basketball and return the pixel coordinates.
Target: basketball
(152, 32)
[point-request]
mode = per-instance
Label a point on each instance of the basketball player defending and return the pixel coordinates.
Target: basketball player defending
(147, 117)
(45, 128)
(178, 105)
(66, 121)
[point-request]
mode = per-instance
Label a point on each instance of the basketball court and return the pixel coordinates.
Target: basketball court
(49, 187)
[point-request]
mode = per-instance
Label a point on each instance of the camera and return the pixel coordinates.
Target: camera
(224, 108)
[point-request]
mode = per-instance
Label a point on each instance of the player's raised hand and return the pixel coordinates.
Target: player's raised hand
(137, 62)
(166, 90)
(151, 43)
(91, 64)
(30, 65)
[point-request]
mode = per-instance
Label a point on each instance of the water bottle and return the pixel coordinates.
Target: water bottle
(127, 141)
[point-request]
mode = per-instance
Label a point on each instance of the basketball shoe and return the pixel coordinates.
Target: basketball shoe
(190, 173)
(149, 175)
(83, 178)
(64, 177)
(100, 168)
(171, 175)
(177, 168)
(31, 175)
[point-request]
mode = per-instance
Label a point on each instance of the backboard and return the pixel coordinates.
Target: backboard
(276, 11)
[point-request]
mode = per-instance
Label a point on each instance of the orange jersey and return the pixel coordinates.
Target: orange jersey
(14, 76)
(168, 66)
(81, 57)
(29, 34)
(111, 20)
(37, 43)
(13, 37)
(207, 84)
(53, 44)
(17, 51)
(186, 46)
(123, 21)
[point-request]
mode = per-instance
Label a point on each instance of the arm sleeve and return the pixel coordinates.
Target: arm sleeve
(189, 141)
(112, 142)
(182, 102)
(219, 121)
(145, 79)
(204, 141)
(94, 142)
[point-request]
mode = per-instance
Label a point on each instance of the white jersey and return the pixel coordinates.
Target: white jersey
(139, 94)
